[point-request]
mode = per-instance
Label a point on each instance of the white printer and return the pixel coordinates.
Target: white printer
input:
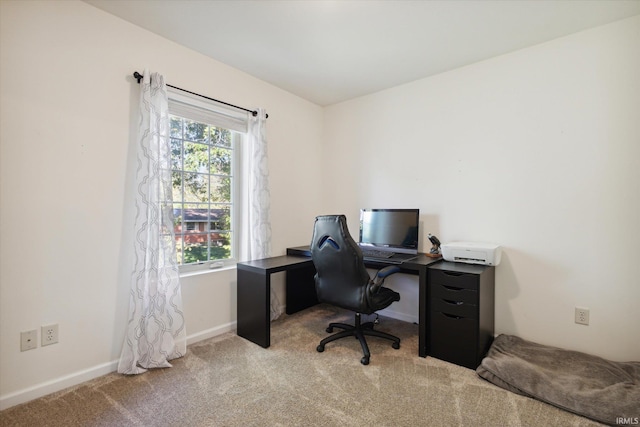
(472, 252)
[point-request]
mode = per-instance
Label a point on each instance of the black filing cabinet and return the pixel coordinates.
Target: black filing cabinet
(461, 307)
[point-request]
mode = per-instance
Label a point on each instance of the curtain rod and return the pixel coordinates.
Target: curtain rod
(139, 77)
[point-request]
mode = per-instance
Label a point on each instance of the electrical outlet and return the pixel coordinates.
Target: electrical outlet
(28, 340)
(582, 316)
(49, 334)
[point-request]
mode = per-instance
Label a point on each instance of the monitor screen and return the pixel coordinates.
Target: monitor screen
(393, 229)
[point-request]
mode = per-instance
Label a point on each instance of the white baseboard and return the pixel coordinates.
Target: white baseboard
(397, 315)
(52, 386)
(57, 384)
(210, 333)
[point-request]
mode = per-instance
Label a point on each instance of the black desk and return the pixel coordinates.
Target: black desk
(254, 292)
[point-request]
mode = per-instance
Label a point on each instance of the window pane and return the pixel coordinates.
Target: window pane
(220, 245)
(176, 127)
(220, 136)
(194, 131)
(195, 248)
(196, 187)
(196, 157)
(176, 179)
(220, 189)
(220, 162)
(177, 219)
(195, 218)
(176, 154)
(220, 218)
(179, 250)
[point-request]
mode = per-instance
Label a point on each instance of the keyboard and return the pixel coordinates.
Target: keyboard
(377, 254)
(386, 257)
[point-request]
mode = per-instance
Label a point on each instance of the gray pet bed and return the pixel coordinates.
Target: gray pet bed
(587, 385)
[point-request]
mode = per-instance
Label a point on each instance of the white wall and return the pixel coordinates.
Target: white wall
(537, 150)
(68, 106)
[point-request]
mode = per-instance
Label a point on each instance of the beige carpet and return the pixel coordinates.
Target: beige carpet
(228, 381)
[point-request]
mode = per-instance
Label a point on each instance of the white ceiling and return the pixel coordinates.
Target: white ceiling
(332, 51)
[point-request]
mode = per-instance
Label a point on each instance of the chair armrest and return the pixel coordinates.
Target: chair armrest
(387, 271)
(382, 274)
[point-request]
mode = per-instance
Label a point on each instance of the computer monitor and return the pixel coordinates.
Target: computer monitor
(392, 230)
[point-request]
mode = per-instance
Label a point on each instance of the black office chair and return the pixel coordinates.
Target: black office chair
(342, 280)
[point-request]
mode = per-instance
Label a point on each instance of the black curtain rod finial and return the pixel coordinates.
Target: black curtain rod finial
(254, 113)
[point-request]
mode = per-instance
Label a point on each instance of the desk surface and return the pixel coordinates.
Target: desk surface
(275, 264)
(421, 261)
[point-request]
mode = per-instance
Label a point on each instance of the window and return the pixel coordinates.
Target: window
(205, 180)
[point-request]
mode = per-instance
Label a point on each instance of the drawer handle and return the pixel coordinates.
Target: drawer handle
(452, 316)
(452, 288)
(453, 273)
(448, 301)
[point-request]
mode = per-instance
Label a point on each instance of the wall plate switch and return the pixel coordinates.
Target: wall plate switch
(49, 334)
(582, 316)
(28, 340)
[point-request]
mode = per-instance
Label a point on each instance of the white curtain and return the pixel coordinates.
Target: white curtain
(257, 223)
(155, 331)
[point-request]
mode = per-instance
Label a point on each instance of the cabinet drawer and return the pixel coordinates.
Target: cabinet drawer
(455, 308)
(454, 293)
(454, 279)
(454, 339)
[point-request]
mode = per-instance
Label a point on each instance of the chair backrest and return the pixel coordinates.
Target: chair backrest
(341, 277)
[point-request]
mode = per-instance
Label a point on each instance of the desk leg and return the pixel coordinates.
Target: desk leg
(301, 289)
(254, 300)
(423, 315)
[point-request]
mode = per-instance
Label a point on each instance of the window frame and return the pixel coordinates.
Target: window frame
(195, 109)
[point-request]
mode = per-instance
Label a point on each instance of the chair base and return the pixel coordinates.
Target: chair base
(359, 330)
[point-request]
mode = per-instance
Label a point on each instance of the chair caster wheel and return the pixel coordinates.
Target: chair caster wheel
(364, 360)
(329, 329)
(396, 345)
(320, 348)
